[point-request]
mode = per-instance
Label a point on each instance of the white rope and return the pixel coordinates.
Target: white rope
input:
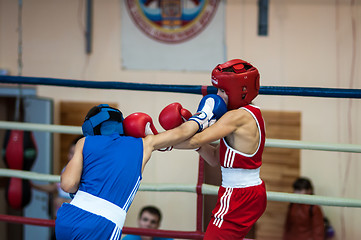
(313, 199)
(4, 172)
(40, 127)
(338, 147)
(206, 190)
(277, 143)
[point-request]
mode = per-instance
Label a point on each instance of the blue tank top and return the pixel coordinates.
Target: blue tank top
(112, 168)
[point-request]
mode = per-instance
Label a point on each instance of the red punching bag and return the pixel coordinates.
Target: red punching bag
(19, 153)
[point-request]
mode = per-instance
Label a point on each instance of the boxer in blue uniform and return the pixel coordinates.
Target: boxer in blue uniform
(106, 169)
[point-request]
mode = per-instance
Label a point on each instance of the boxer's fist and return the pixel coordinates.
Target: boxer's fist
(173, 115)
(210, 109)
(139, 125)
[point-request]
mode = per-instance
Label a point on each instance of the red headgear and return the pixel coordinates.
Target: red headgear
(239, 79)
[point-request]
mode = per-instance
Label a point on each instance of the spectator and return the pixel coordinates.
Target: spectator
(60, 196)
(149, 217)
(304, 221)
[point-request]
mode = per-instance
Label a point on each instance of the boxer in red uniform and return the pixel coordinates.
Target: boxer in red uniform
(242, 197)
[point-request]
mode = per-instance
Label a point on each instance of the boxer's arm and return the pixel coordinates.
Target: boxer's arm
(226, 125)
(211, 108)
(49, 188)
(168, 138)
(210, 153)
(70, 178)
(229, 123)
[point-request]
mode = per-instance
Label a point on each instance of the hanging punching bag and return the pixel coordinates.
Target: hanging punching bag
(19, 153)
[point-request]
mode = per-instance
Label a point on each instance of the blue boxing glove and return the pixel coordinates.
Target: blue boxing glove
(210, 109)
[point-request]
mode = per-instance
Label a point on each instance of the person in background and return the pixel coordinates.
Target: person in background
(59, 196)
(304, 221)
(149, 217)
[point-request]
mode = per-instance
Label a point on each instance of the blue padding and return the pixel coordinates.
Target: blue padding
(192, 89)
(110, 127)
(100, 117)
(87, 128)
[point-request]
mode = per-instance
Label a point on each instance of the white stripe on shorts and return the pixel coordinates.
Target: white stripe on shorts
(223, 209)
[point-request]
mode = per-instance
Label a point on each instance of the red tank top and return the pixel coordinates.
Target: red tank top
(231, 158)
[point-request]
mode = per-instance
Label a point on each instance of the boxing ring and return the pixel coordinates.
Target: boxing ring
(199, 188)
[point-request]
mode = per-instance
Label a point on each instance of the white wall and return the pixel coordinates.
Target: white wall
(311, 43)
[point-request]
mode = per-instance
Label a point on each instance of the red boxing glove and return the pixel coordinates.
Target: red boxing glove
(139, 125)
(173, 115)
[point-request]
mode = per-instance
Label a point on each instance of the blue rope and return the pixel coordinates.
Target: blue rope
(311, 92)
(192, 89)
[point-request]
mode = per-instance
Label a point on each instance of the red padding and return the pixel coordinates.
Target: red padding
(14, 149)
(163, 233)
(204, 90)
(14, 193)
(20, 149)
(126, 230)
(20, 154)
(26, 220)
(200, 196)
(18, 193)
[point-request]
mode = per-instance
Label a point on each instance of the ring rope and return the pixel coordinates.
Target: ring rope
(297, 144)
(276, 143)
(40, 127)
(28, 175)
(272, 196)
(206, 190)
(210, 189)
(193, 89)
(125, 230)
(27, 220)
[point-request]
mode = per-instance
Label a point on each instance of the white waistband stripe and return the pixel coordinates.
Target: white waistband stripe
(99, 206)
(240, 178)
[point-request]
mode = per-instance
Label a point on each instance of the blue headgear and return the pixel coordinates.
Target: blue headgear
(103, 120)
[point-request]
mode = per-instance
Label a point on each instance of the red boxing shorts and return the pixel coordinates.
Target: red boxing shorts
(237, 209)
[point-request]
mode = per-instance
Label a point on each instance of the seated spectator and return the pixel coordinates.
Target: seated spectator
(304, 221)
(149, 217)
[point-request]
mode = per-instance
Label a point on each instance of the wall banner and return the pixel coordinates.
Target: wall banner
(170, 21)
(172, 34)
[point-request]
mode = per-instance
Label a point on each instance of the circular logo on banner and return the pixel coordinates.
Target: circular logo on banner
(172, 21)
